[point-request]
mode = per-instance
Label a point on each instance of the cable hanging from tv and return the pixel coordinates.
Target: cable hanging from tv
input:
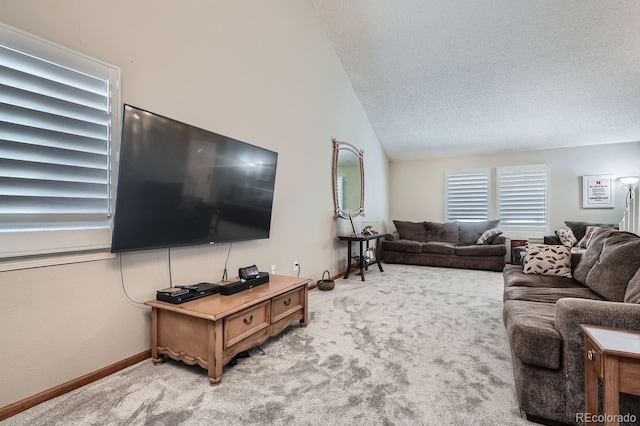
(224, 274)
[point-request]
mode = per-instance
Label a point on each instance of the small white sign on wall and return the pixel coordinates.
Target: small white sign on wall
(598, 192)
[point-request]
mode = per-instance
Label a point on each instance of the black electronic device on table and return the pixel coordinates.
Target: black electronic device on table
(204, 289)
(185, 293)
(249, 277)
(248, 272)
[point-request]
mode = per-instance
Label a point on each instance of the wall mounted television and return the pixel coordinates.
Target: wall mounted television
(181, 185)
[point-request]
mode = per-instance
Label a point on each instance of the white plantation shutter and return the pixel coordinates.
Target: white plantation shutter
(523, 193)
(56, 128)
(467, 194)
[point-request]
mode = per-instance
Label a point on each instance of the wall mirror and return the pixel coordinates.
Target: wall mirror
(348, 180)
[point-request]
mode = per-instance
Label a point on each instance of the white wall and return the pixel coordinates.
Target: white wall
(417, 187)
(262, 72)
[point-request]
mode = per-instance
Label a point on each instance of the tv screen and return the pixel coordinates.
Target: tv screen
(182, 185)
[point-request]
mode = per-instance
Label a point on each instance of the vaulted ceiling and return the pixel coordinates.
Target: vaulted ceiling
(458, 77)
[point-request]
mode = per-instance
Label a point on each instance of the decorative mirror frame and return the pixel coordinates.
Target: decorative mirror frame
(337, 147)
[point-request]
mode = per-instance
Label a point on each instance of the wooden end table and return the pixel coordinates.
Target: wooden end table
(516, 249)
(613, 356)
(362, 265)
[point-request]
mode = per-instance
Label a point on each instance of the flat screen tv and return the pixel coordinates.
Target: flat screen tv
(181, 185)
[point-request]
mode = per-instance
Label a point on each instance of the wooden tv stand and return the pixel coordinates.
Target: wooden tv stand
(212, 330)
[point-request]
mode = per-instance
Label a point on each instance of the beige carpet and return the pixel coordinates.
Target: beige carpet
(410, 346)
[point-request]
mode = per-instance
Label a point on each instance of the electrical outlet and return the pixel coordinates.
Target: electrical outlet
(296, 266)
(273, 269)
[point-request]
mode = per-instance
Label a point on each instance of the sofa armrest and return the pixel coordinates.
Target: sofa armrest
(570, 313)
(393, 236)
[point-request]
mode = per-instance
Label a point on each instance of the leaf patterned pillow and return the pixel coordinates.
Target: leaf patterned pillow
(551, 260)
(566, 237)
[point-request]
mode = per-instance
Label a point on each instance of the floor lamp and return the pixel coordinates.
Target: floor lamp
(629, 183)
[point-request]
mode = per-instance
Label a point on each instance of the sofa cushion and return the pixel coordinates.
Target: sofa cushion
(632, 295)
(533, 338)
(469, 232)
(498, 240)
(513, 277)
(591, 254)
(551, 240)
(488, 236)
(406, 246)
(414, 231)
(618, 263)
(548, 295)
(566, 237)
(439, 247)
(481, 250)
(547, 260)
(445, 232)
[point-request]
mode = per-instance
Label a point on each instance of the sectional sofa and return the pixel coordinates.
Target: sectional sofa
(545, 301)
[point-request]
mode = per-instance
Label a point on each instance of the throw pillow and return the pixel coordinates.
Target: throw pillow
(544, 259)
(415, 231)
(471, 231)
(632, 295)
(588, 234)
(444, 232)
(566, 237)
(488, 236)
(618, 263)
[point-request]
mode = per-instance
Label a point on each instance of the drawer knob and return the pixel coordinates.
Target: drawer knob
(590, 354)
(287, 302)
(248, 321)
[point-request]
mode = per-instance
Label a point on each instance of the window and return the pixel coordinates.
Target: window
(523, 193)
(59, 111)
(467, 194)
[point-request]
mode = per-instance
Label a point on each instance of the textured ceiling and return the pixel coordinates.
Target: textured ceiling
(457, 77)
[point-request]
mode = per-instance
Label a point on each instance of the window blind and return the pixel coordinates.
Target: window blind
(523, 196)
(56, 147)
(467, 194)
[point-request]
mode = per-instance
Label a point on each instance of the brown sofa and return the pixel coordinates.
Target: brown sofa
(449, 244)
(542, 315)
